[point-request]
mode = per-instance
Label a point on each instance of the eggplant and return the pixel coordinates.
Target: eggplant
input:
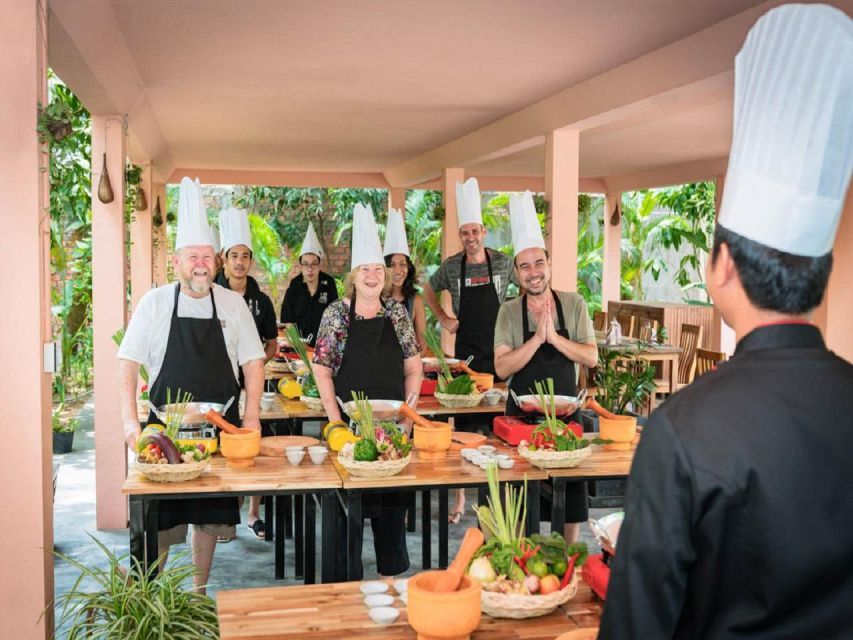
(163, 441)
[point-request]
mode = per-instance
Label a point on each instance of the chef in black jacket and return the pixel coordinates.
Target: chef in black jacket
(310, 292)
(738, 519)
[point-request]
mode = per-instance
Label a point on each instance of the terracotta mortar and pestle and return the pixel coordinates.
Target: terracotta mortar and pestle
(239, 446)
(432, 439)
(445, 605)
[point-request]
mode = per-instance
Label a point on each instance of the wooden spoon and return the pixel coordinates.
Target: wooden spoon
(472, 541)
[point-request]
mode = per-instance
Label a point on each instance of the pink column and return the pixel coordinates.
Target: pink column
(450, 243)
(109, 290)
(838, 300)
(397, 199)
(611, 276)
(26, 538)
(561, 191)
(722, 337)
(159, 241)
(141, 265)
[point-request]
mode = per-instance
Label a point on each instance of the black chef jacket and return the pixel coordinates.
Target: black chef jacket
(304, 310)
(262, 308)
(739, 515)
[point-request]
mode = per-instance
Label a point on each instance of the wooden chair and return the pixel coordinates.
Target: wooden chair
(599, 321)
(707, 360)
(627, 321)
(691, 337)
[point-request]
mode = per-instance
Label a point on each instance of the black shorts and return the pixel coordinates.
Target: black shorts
(577, 503)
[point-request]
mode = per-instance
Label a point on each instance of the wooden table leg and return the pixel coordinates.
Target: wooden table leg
(532, 507)
(411, 512)
(269, 511)
(442, 528)
(310, 538)
(354, 524)
(482, 492)
(285, 516)
(426, 529)
(299, 538)
(328, 504)
(137, 530)
(558, 505)
(152, 549)
(279, 537)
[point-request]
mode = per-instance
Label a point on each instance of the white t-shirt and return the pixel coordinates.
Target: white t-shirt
(148, 331)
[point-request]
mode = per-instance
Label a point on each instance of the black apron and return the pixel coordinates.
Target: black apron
(478, 312)
(197, 361)
(546, 363)
(373, 364)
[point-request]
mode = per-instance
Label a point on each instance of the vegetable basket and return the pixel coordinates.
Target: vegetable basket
(375, 469)
(314, 404)
(516, 605)
(457, 401)
(550, 459)
(173, 472)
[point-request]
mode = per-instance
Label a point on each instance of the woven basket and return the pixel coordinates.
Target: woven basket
(315, 404)
(173, 472)
(375, 469)
(458, 402)
(516, 605)
(550, 459)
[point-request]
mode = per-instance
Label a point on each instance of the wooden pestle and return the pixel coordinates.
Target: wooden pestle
(472, 541)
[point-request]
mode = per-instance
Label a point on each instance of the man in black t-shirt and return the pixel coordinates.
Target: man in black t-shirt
(310, 292)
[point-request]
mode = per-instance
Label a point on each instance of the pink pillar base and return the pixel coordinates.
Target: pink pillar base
(561, 191)
(450, 243)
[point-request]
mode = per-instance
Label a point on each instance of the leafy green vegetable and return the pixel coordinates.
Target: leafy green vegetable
(463, 385)
(365, 451)
(397, 437)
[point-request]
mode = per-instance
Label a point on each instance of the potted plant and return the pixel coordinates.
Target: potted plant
(624, 381)
(113, 602)
(54, 121)
(63, 431)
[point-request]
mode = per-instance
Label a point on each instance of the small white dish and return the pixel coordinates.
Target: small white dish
(467, 453)
(373, 586)
(492, 397)
(405, 598)
(478, 458)
(295, 457)
(383, 615)
(486, 449)
(378, 600)
(502, 456)
(506, 464)
(401, 586)
(267, 400)
(485, 465)
(317, 454)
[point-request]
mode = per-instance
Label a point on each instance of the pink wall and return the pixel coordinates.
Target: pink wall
(611, 277)
(562, 148)
(109, 313)
(450, 243)
(26, 565)
(141, 265)
(160, 252)
(838, 303)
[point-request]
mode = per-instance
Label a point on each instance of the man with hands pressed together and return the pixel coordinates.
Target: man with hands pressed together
(543, 333)
(193, 335)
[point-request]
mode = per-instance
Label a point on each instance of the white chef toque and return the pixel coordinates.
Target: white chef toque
(366, 248)
(214, 236)
(395, 234)
(193, 227)
(792, 144)
(234, 228)
(468, 202)
(311, 243)
(526, 230)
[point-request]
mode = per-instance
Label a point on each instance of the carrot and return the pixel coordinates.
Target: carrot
(464, 368)
(414, 416)
(601, 411)
(215, 418)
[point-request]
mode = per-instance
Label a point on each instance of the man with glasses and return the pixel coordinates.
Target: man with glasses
(310, 292)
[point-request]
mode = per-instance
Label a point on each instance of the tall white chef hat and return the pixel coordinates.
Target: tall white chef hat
(193, 227)
(234, 228)
(395, 234)
(526, 230)
(311, 243)
(792, 146)
(366, 248)
(468, 202)
(214, 236)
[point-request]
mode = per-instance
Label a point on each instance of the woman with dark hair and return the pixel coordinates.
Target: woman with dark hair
(403, 274)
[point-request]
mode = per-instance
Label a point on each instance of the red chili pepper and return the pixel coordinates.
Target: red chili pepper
(570, 569)
(530, 553)
(521, 564)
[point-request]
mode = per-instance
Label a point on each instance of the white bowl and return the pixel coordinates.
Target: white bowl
(373, 586)
(486, 449)
(378, 600)
(506, 464)
(383, 615)
(268, 400)
(478, 458)
(467, 453)
(492, 399)
(402, 586)
(295, 457)
(317, 454)
(485, 465)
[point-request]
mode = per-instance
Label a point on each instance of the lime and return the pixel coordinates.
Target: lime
(559, 567)
(537, 567)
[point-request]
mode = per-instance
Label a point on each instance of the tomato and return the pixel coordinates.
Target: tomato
(549, 584)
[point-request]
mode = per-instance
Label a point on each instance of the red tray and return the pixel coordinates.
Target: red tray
(428, 387)
(513, 430)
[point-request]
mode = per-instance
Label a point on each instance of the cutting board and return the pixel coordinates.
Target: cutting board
(463, 439)
(274, 446)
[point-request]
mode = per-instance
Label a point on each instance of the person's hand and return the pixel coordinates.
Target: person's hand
(449, 323)
(252, 423)
(552, 334)
(132, 431)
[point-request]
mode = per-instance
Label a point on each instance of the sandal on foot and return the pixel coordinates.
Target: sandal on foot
(223, 539)
(258, 528)
(454, 517)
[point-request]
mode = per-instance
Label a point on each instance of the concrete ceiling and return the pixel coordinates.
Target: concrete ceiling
(370, 85)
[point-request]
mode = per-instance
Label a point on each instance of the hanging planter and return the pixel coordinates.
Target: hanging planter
(105, 188)
(157, 214)
(140, 202)
(54, 122)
